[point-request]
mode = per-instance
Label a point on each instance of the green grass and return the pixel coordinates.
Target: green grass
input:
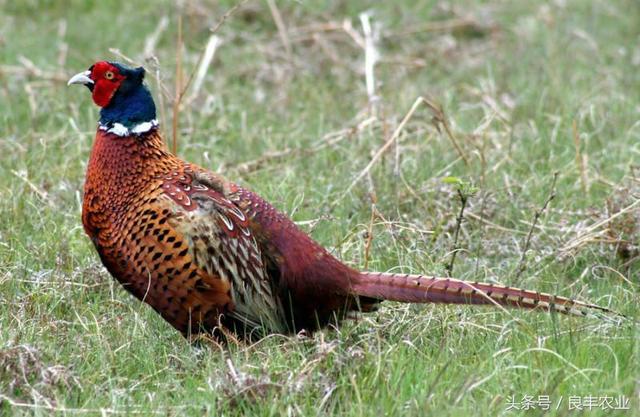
(72, 340)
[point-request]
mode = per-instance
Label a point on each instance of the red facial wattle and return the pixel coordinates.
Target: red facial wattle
(107, 80)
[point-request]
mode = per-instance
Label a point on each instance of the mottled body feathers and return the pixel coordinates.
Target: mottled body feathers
(200, 250)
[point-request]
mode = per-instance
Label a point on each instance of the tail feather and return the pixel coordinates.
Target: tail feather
(423, 289)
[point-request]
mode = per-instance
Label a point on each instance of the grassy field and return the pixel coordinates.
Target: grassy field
(527, 90)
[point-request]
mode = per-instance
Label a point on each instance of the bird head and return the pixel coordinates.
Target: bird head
(120, 92)
(106, 79)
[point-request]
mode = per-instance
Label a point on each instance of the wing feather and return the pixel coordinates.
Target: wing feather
(220, 239)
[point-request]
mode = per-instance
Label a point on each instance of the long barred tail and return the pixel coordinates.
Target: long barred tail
(424, 289)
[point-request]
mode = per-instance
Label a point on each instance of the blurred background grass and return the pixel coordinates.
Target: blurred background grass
(285, 112)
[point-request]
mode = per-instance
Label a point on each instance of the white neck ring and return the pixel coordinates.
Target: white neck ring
(119, 129)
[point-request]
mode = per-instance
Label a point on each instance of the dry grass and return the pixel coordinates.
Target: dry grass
(348, 122)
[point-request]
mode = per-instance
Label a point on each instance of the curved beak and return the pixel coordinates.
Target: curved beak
(81, 78)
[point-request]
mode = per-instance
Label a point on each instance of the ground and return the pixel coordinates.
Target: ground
(530, 109)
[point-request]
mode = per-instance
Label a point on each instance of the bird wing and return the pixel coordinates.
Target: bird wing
(222, 243)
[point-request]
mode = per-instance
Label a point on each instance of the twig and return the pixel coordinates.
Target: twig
(386, 145)
(579, 157)
(31, 98)
(152, 40)
(44, 196)
(28, 68)
(590, 234)
(132, 61)
(161, 87)
(63, 47)
(152, 59)
(367, 247)
(396, 161)
(371, 56)
(613, 216)
(483, 177)
(227, 15)
(213, 31)
(552, 194)
(282, 29)
(119, 54)
(463, 203)
(355, 36)
(178, 86)
(327, 48)
(440, 117)
(494, 225)
(205, 62)
(181, 90)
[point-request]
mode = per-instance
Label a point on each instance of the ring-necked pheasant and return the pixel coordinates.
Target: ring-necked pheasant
(204, 252)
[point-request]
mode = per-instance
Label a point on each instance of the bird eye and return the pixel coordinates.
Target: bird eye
(108, 75)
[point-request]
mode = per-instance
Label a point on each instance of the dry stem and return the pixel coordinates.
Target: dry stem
(579, 157)
(438, 115)
(463, 204)
(178, 87)
(552, 193)
(371, 55)
(367, 248)
(282, 29)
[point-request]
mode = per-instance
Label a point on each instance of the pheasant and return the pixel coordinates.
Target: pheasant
(207, 254)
